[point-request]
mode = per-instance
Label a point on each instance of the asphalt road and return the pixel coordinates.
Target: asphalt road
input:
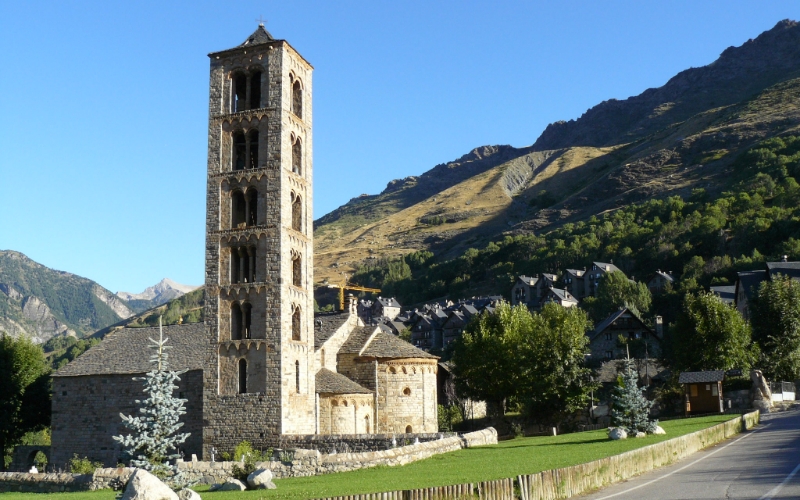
(763, 464)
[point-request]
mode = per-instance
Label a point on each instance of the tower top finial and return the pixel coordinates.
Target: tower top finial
(260, 21)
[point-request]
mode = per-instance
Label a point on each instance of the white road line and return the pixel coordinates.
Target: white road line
(774, 491)
(689, 465)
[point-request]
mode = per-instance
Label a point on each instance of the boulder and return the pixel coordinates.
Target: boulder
(232, 485)
(659, 430)
(640, 434)
(617, 433)
(187, 494)
(261, 479)
(145, 486)
(762, 405)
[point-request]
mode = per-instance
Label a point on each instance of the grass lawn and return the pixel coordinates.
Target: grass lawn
(506, 459)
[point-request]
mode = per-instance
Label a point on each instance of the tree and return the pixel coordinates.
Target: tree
(775, 318)
(554, 380)
(710, 335)
(630, 409)
(154, 430)
(615, 291)
(484, 358)
(25, 393)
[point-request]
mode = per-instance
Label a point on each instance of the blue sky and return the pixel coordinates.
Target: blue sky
(103, 105)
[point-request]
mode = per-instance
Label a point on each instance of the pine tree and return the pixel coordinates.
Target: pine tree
(630, 408)
(153, 441)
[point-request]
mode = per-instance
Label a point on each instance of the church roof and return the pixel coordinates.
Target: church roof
(384, 345)
(327, 381)
(357, 339)
(326, 324)
(259, 36)
(126, 351)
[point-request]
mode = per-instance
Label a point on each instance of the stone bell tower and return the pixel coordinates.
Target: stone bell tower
(259, 372)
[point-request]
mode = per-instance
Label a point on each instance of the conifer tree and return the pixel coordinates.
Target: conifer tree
(154, 440)
(630, 407)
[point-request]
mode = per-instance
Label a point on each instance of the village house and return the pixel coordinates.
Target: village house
(592, 277)
(660, 282)
(604, 339)
(747, 282)
(529, 290)
(574, 282)
(558, 296)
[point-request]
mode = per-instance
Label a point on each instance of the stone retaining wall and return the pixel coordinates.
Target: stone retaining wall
(58, 482)
(304, 462)
(353, 443)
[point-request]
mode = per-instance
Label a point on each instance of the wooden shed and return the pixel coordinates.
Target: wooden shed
(703, 391)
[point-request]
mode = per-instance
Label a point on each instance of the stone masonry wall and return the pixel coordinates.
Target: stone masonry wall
(87, 414)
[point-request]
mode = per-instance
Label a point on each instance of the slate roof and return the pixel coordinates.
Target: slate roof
(355, 342)
(726, 294)
(125, 351)
(259, 36)
(600, 328)
(701, 377)
(388, 302)
(563, 295)
(609, 370)
(664, 275)
(326, 324)
(384, 345)
(528, 280)
(576, 272)
(330, 382)
(607, 267)
(791, 269)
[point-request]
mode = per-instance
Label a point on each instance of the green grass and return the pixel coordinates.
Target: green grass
(507, 459)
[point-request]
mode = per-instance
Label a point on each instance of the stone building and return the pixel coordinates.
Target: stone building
(262, 368)
(603, 340)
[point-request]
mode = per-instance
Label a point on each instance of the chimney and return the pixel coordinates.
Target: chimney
(659, 327)
(352, 302)
(785, 258)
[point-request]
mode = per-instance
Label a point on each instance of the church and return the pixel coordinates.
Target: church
(262, 367)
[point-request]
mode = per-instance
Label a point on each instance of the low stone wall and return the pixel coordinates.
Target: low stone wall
(300, 462)
(356, 443)
(58, 482)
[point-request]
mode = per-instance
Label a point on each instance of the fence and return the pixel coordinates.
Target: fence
(782, 391)
(570, 481)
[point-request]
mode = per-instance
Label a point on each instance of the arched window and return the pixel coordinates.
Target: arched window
(252, 148)
(366, 424)
(243, 265)
(246, 319)
(239, 150)
(255, 90)
(251, 204)
(238, 209)
(297, 376)
(408, 429)
(236, 265)
(297, 99)
(297, 156)
(239, 92)
(297, 212)
(296, 323)
(297, 271)
(242, 376)
(236, 321)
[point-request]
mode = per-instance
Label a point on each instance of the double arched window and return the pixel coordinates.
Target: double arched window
(245, 150)
(246, 90)
(297, 212)
(297, 95)
(241, 315)
(297, 155)
(244, 208)
(296, 314)
(243, 264)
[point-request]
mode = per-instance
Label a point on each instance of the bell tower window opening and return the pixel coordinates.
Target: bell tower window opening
(297, 156)
(242, 376)
(239, 151)
(236, 321)
(252, 149)
(297, 213)
(297, 98)
(247, 310)
(239, 92)
(238, 210)
(296, 323)
(251, 207)
(297, 377)
(243, 265)
(297, 271)
(255, 90)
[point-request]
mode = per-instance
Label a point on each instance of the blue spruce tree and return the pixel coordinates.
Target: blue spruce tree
(154, 441)
(631, 409)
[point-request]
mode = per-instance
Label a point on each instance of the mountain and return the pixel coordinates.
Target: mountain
(672, 140)
(41, 302)
(160, 293)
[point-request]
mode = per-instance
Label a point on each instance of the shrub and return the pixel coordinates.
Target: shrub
(78, 465)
